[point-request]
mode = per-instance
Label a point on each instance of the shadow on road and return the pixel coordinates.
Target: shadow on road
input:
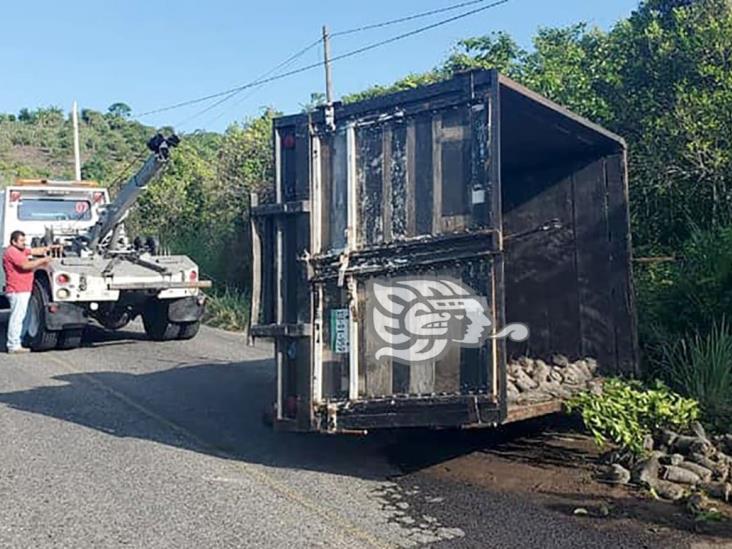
(222, 404)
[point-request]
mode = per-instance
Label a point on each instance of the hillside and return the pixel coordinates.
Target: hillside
(39, 143)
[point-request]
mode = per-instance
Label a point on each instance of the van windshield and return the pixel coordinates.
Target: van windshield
(53, 209)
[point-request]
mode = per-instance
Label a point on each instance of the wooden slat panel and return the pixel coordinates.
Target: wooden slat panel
(378, 373)
(436, 174)
(447, 372)
(540, 272)
(623, 307)
(411, 175)
(593, 263)
(398, 181)
(386, 191)
(370, 173)
(422, 378)
(423, 177)
(338, 192)
(327, 210)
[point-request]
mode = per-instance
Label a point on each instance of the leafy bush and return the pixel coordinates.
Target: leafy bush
(227, 309)
(626, 411)
(700, 366)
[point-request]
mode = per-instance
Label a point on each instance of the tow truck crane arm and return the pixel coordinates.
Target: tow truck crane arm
(132, 189)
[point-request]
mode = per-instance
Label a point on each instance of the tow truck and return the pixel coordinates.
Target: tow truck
(97, 271)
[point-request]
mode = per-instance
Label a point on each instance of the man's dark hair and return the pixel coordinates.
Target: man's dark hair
(15, 235)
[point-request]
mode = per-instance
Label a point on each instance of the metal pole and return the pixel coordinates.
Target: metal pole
(77, 156)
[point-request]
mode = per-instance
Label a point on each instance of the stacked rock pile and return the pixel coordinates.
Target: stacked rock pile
(533, 380)
(678, 465)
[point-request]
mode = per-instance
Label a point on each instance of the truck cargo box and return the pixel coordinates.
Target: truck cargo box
(475, 179)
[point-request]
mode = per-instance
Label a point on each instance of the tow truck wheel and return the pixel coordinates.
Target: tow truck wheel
(70, 339)
(156, 323)
(188, 330)
(38, 337)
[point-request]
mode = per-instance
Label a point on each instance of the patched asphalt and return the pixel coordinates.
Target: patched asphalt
(132, 443)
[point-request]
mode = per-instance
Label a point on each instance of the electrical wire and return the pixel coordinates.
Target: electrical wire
(305, 68)
(236, 92)
(406, 18)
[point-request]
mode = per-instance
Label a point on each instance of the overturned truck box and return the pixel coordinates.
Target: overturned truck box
(490, 191)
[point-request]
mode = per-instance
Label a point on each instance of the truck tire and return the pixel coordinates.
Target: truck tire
(188, 330)
(70, 339)
(38, 337)
(156, 323)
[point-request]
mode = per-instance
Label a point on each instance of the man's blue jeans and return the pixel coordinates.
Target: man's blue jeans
(17, 323)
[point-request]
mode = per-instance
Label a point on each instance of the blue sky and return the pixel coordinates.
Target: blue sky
(150, 54)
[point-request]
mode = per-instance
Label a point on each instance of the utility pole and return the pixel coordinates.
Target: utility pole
(77, 156)
(329, 114)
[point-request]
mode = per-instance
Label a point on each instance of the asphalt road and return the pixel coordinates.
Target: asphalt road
(126, 442)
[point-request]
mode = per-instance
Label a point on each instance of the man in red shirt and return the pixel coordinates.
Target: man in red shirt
(19, 266)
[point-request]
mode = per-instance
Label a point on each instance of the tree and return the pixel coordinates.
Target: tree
(122, 110)
(25, 115)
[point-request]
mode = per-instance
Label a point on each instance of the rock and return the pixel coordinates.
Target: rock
(591, 364)
(556, 390)
(617, 474)
(668, 490)
(527, 364)
(702, 446)
(718, 490)
(698, 429)
(645, 472)
(675, 473)
(667, 438)
(572, 376)
(524, 382)
(702, 472)
(648, 443)
(689, 444)
(582, 367)
(560, 360)
(514, 369)
(701, 459)
(672, 459)
(541, 372)
(511, 391)
(556, 374)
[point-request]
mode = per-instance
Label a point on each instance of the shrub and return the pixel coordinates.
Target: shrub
(700, 366)
(626, 411)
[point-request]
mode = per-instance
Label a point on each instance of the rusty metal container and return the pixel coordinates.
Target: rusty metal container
(475, 178)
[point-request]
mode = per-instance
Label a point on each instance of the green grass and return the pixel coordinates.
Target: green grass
(227, 309)
(700, 366)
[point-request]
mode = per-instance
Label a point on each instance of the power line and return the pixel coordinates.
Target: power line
(407, 18)
(319, 64)
(234, 93)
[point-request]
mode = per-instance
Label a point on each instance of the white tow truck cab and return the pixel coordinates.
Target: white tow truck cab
(97, 272)
(37, 206)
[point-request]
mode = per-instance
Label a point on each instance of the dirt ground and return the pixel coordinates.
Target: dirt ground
(551, 462)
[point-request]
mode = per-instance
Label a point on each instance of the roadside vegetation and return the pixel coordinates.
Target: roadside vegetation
(661, 79)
